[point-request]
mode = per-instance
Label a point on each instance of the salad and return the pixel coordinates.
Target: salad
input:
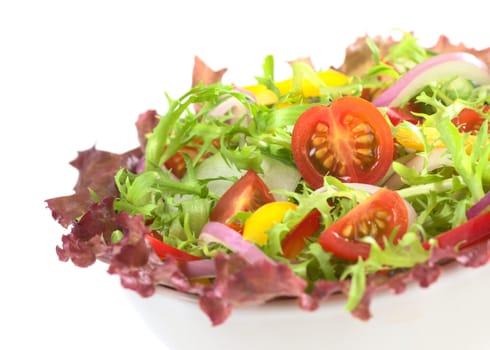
(350, 180)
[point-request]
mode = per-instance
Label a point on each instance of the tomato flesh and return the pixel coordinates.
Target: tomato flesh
(177, 164)
(376, 217)
(246, 195)
(401, 114)
(349, 139)
(296, 239)
(469, 120)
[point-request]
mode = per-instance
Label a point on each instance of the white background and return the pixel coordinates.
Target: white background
(74, 74)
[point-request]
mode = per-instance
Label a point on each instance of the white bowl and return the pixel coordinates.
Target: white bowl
(450, 314)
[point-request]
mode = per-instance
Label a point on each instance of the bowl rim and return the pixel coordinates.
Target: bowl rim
(448, 272)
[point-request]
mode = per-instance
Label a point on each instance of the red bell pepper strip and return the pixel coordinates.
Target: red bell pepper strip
(163, 250)
(473, 231)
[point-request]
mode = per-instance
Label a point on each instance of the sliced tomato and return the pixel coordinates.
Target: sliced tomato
(377, 217)
(164, 250)
(470, 120)
(295, 241)
(176, 163)
(349, 139)
(405, 113)
(246, 195)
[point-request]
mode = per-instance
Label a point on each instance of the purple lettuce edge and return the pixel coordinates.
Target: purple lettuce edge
(238, 283)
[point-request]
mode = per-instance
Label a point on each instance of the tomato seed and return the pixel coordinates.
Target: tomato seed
(328, 162)
(368, 152)
(363, 228)
(347, 231)
(362, 128)
(380, 223)
(321, 152)
(318, 141)
(365, 139)
(321, 128)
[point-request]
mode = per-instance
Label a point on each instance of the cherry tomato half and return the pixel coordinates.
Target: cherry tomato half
(349, 139)
(246, 195)
(377, 217)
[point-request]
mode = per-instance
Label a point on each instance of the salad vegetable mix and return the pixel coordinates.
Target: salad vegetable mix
(349, 180)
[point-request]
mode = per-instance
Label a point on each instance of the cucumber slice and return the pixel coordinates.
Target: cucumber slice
(216, 168)
(277, 175)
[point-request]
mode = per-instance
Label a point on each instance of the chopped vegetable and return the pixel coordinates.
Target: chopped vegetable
(383, 216)
(297, 239)
(263, 219)
(349, 139)
(439, 67)
(306, 82)
(248, 194)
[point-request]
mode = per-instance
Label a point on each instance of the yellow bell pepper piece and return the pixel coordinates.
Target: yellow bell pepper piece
(263, 219)
(409, 139)
(330, 77)
(262, 94)
(406, 137)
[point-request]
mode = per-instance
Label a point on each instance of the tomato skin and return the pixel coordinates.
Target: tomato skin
(349, 139)
(401, 114)
(382, 212)
(295, 241)
(470, 120)
(246, 195)
(164, 250)
(176, 163)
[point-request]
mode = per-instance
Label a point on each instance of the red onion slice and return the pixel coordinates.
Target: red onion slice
(217, 232)
(437, 158)
(200, 268)
(479, 206)
(442, 66)
(232, 105)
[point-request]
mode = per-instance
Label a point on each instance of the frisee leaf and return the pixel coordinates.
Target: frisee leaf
(469, 167)
(357, 273)
(159, 148)
(406, 253)
(268, 78)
